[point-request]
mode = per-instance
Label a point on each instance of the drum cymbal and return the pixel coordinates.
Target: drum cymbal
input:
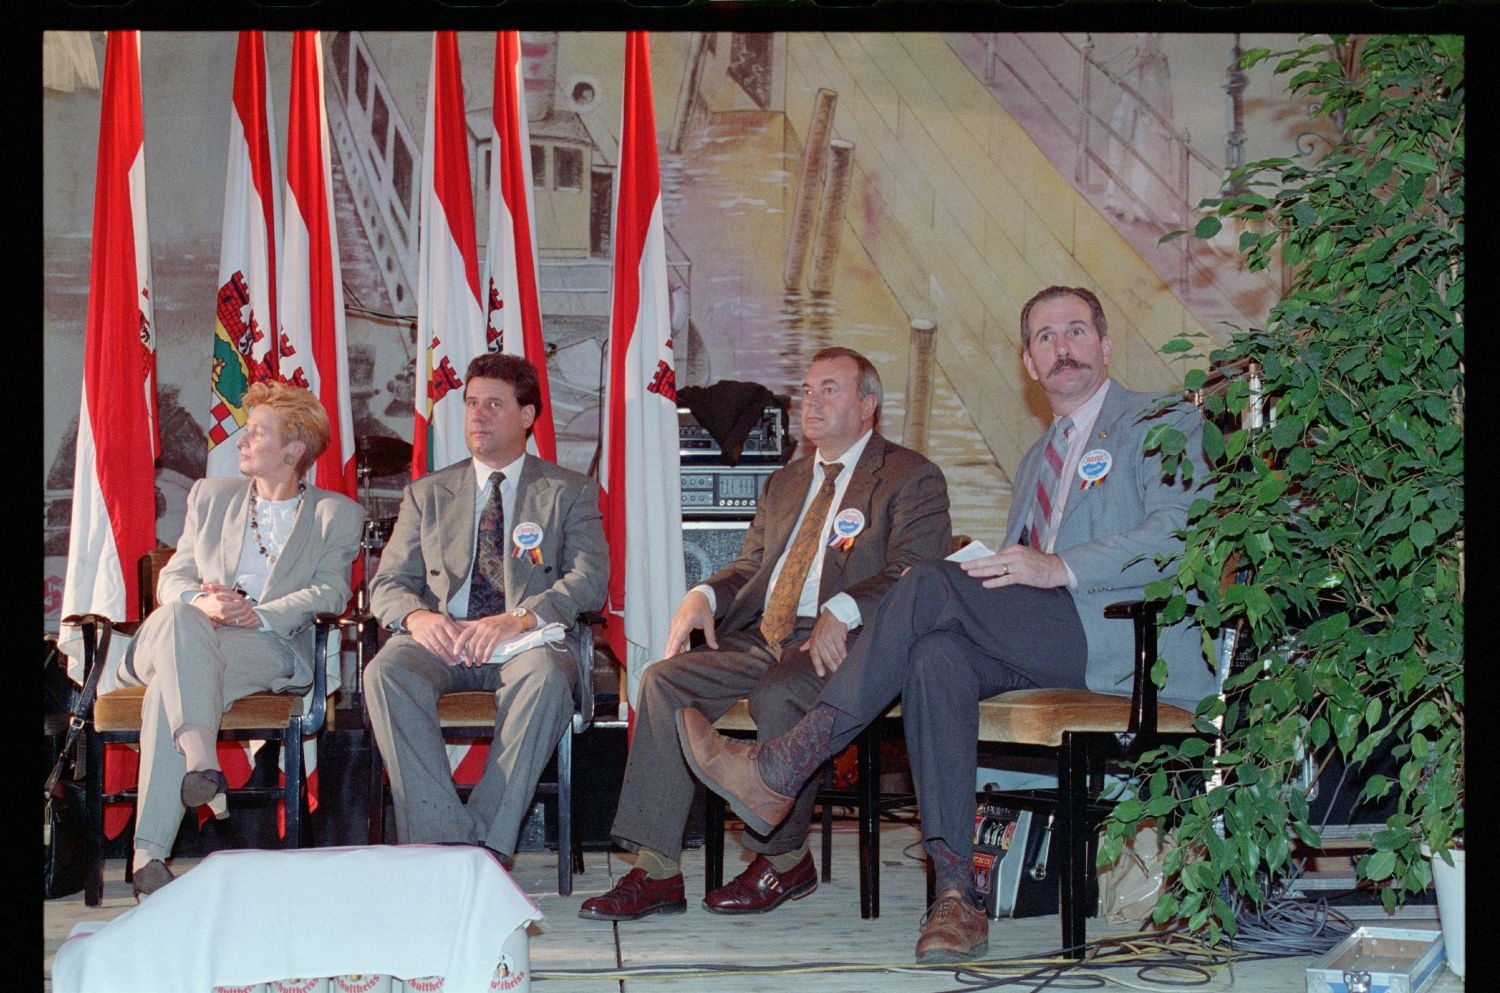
(381, 455)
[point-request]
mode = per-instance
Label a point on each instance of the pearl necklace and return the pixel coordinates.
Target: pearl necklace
(255, 523)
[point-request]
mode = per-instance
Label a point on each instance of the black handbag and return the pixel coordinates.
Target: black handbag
(63, 827)
(64, 824)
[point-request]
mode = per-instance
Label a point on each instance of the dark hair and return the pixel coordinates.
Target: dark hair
(868, 377)
(512, 369)
(1096, 309)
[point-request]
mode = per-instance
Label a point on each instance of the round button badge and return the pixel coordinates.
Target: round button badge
(527, 535)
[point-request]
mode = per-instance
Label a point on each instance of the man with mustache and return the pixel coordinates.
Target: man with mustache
(1094, 519)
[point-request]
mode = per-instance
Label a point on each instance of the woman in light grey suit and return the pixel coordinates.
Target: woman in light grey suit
(257, 559)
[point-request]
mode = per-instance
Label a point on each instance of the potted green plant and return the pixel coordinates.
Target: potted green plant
(1345, 505)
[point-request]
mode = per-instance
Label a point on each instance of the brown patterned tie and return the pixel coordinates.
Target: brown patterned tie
(781, 612)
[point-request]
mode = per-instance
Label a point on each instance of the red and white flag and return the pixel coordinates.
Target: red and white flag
(312, 346)
(114, 488)
(450, 319)
(312, 349)
(641, 502)
(513, 313)
(245, 316)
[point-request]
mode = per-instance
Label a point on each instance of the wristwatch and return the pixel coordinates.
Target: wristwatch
(524, 616)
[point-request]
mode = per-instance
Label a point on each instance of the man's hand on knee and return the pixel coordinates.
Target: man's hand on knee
(435, 632)
(827, 644)
(694, 614)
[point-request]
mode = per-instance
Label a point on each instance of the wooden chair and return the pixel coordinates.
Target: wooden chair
(865, 797)
(470, 716)
(280, 719)
(1085, 732)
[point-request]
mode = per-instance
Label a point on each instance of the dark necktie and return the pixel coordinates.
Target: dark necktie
(1047, 479)
(487, 589)
(781, 612)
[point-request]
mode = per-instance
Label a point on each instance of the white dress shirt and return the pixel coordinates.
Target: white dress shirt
(841, 605)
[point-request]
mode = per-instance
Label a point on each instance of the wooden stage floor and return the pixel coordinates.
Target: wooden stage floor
(779, 950)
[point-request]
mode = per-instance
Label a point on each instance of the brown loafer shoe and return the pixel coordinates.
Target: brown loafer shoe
(760, 888)
(149, 878)
(636, 896)
(953, 930)
(727, 766)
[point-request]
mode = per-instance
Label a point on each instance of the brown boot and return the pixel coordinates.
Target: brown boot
(727, 766)
(953, 930)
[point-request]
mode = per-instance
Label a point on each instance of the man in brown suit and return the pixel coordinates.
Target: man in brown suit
(832, 532)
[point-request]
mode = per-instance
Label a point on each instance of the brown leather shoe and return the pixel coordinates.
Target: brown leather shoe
(727, 766)
(636, 896)
(953, 930)
(760, 888)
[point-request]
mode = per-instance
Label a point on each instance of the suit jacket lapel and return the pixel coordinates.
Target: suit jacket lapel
(236, 515)
(1109, 428)
(857, 495)
(533, 494)
(455, 510)
(779, 531)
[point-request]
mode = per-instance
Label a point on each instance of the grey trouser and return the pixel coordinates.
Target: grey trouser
(658, 790)
(942, 642)
(192, 672)
(533, 702)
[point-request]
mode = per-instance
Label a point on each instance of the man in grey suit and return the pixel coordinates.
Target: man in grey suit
(1092, 513)
(482, 552)
(831, 533)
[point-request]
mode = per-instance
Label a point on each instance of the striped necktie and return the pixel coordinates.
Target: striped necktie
(781, 611)
(487, 589)
(1048, 475)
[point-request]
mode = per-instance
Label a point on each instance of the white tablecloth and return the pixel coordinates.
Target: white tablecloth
(247, 917)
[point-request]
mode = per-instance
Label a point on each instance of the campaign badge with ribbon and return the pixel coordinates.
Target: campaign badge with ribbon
(528, 538)
(846, 525)
(1093, 467)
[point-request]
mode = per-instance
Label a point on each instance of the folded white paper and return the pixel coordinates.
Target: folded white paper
(544, 635)
(973, 550)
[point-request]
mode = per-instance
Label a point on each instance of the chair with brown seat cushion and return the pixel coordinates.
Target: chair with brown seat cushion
(280, 719)
(470, 716)
(1085, 732)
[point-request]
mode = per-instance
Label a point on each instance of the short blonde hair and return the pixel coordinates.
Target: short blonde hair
(300, 415)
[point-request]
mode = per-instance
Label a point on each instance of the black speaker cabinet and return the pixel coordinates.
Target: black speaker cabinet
(708, 546)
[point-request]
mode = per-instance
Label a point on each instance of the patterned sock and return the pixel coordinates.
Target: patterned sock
(787, 762)
(951, 871)
(657, 865)
(786, 861)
